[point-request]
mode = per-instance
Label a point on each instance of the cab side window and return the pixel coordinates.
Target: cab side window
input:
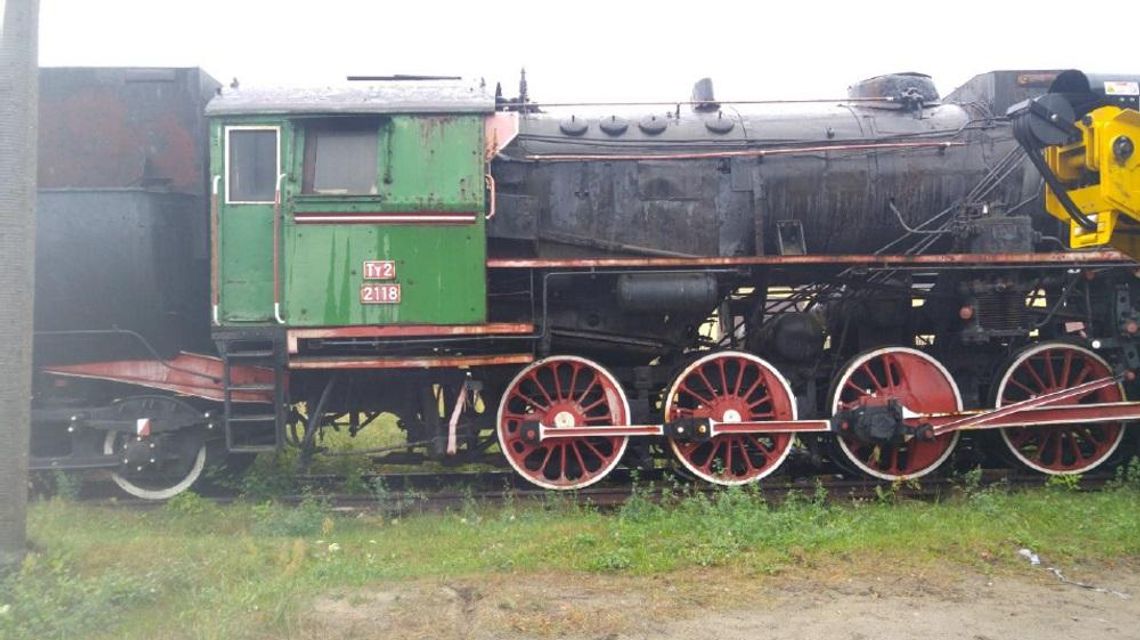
(252, 161)
(341, 157)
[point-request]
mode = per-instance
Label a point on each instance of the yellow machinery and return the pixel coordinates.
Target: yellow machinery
(1083, 136)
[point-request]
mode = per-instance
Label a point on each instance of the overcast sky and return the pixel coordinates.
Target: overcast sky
(587, 50)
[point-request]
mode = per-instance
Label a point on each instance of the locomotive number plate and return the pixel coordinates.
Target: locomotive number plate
(380, 294)
(379, 270)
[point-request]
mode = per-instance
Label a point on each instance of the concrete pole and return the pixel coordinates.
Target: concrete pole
(19, 90)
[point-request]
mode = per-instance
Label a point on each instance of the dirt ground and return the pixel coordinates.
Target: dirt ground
(837, 603)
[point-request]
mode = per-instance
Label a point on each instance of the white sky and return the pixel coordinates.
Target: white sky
(586, 49)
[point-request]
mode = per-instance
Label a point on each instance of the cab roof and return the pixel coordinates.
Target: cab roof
(419, 96)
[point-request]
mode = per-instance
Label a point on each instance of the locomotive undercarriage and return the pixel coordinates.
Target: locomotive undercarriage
(867, 373)
(885, 367)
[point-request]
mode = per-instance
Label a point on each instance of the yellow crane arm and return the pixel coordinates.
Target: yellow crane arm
(1083, 136)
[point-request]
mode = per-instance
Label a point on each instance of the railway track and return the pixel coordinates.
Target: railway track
(442, 492)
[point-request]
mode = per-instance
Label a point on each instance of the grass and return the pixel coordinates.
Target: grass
(193, 569)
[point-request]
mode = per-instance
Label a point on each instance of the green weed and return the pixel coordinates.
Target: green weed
(304, 519)
(47, 598)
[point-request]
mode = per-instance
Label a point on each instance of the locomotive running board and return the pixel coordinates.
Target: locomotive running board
(1105, 257)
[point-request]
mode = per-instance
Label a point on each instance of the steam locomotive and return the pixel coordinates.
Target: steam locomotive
(869, 281)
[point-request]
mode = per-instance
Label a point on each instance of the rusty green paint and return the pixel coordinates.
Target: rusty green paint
(245, 238)
(426, 164)
(433, 267)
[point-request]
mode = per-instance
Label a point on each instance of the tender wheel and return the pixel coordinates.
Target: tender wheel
(1062, 449)
(916, 380)
(560, 392)
(179, 457)
(731, 387)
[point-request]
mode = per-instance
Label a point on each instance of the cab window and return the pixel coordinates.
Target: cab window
(340, 157)
(252, 163)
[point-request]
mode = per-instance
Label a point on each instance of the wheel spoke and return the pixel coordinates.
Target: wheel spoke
(530, 401)
(542, 387)
(692, 392)
(708, 385)
(1027, 390)
(849, 383)
(573, 381)
(585, 392)
(740, 380)
(1049, 369)
(723, 375)
(558, 384)
(1032, 370)
(871, 375)
(1066, 369)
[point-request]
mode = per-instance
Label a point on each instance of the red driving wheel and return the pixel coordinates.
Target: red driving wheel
(1059, 449)
(731, 387)
(561, 392)
(921, 384)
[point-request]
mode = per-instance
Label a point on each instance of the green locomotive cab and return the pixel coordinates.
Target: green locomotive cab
(346, 207)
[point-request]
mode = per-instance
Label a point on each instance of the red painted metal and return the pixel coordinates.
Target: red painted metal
(499, 129)
(188, 374)
(1075, 258)
(920, 384)
(750, 153)
(1058, 372)
(731, 387)
(408, 331)
(773, 426)
(548, 433)
(1037, 416)
(715, 429)
(563, 392)
(1019, 413)
(432, 362)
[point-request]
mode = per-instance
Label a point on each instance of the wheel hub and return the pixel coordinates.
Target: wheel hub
(565, 420)
(731, 416)
(139, 454)
(874, 422)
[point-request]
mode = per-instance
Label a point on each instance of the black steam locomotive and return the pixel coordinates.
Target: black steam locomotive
(718, 284)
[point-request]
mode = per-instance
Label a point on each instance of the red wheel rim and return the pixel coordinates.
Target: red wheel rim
(1060, 449)
(731, 387)
(563, 391)
(916, 380)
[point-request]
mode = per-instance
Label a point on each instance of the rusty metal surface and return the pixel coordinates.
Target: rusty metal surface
(187, 374)
(128, 258)
(499, 130)
(123, 127)
(1075, 258)
(409, 363)
(727, 177)
(412, 330)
